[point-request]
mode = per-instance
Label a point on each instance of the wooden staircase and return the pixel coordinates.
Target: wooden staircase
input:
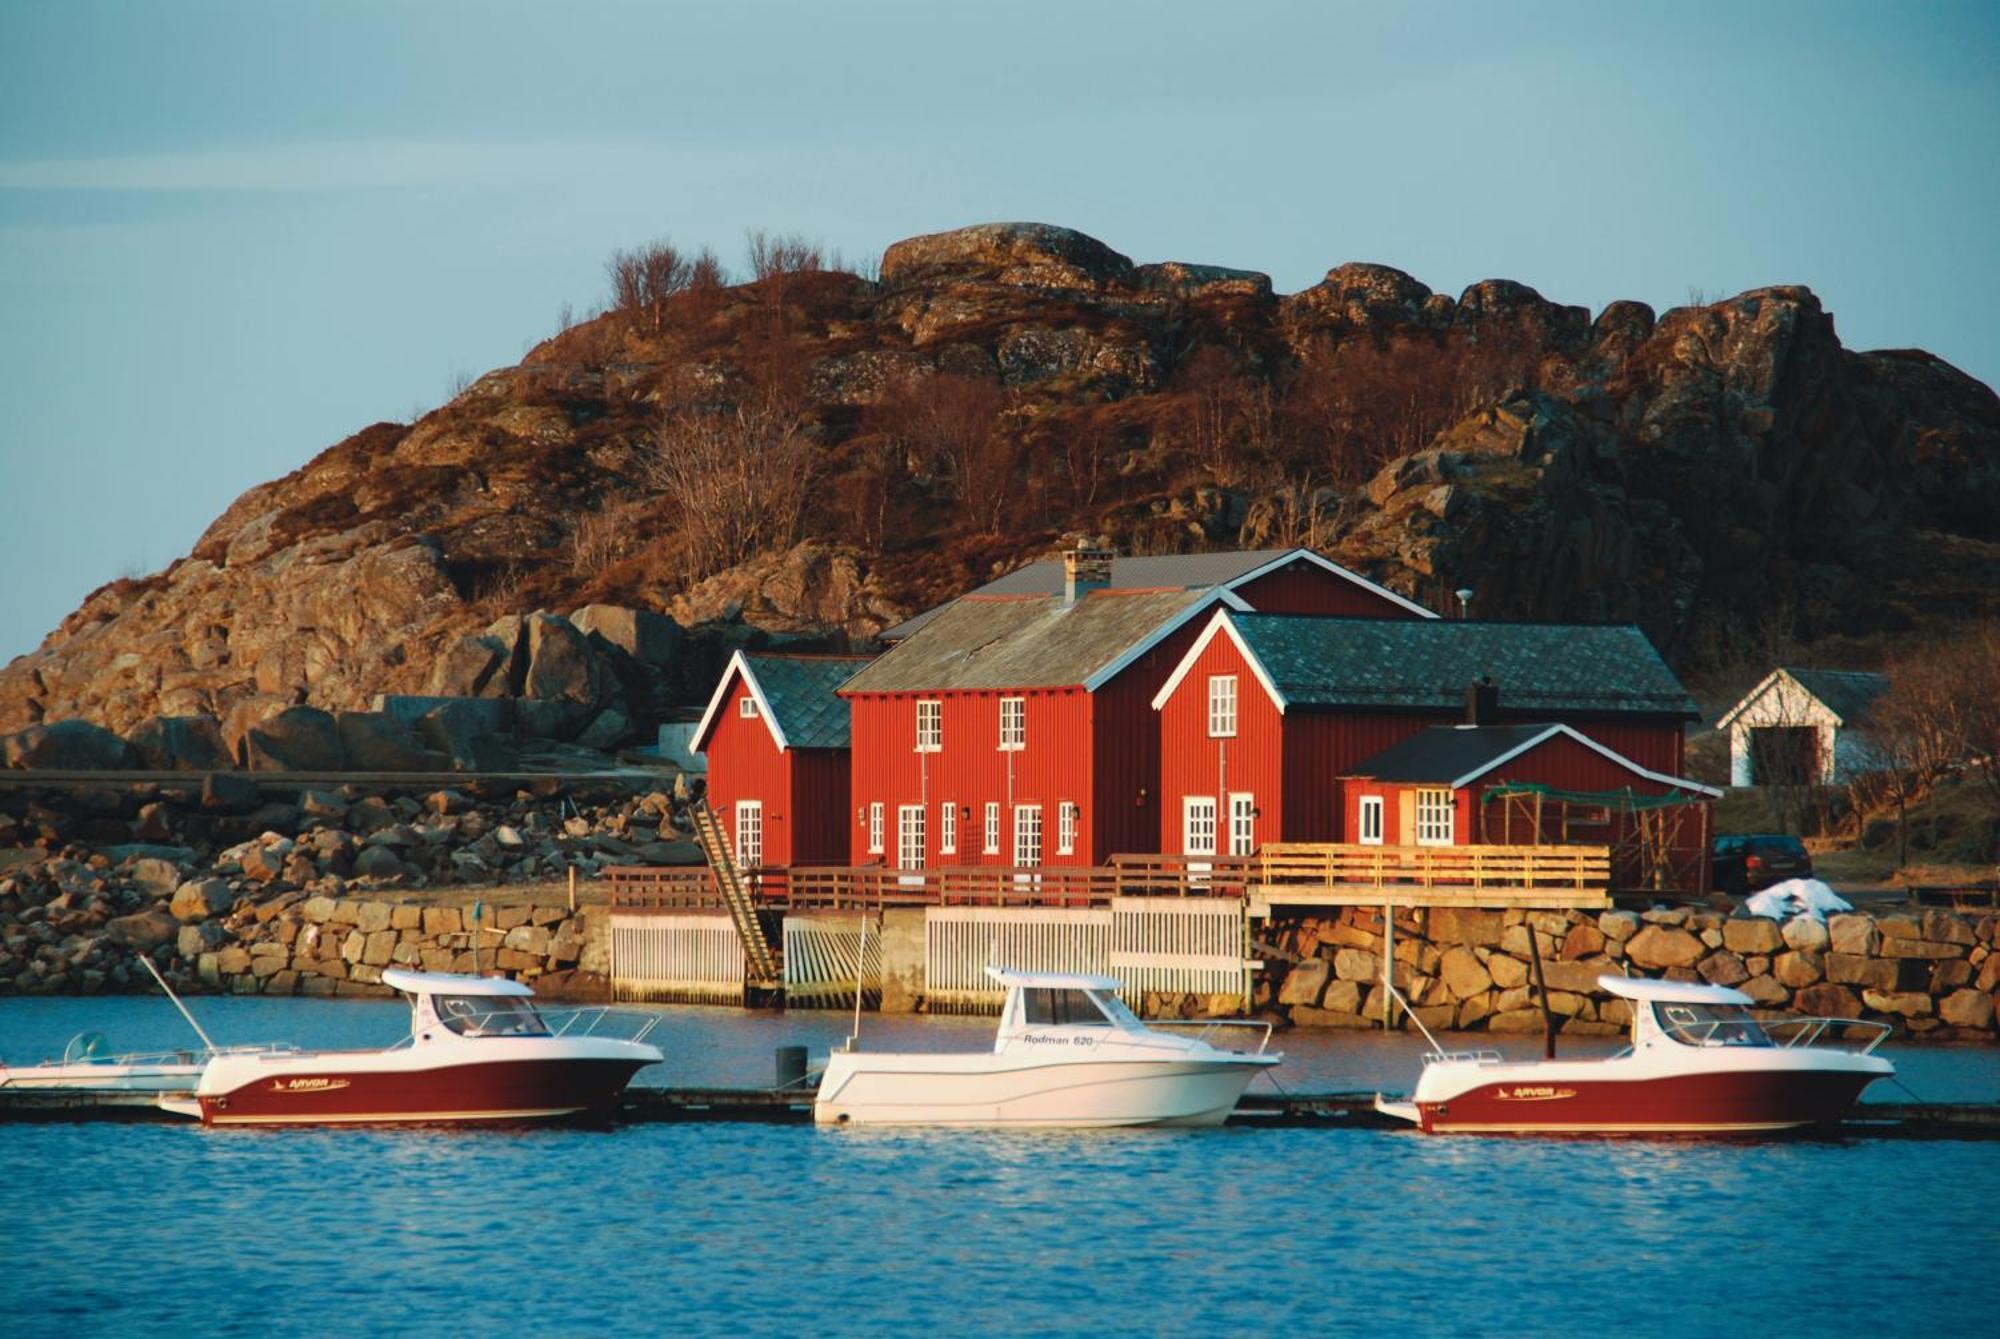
(762, 969)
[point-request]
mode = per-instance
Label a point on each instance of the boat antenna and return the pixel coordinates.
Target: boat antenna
(1542, 988)
(205, 1041)
(860, 979)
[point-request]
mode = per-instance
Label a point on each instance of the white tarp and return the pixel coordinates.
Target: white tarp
(1796, 897)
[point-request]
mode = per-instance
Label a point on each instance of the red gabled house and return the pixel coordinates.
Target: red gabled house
(777, 740)
(1265, 713)
(1530, 785)
(1013, 727)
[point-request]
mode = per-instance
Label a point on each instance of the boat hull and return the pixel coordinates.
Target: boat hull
(339, 1092)
(992, 1092)
(151, 1078)
(1735, 1102)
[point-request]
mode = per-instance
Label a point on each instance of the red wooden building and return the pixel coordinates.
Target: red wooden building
(777, 741)
(1265, 713)
(1014, 727)
(1531, 785)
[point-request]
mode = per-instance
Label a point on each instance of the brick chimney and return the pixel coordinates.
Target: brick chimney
(1482, 701)
(1085, 569)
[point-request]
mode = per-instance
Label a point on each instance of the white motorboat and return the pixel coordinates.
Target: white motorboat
(1698, 1064)
(1068, 1053)
(88, 1064)
(478, 1050)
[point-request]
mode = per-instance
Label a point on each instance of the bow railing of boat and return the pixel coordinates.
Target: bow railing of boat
(1811, 1032)
(1212, 1027)
(598, 1020)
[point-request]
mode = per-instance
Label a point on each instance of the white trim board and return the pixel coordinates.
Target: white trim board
(1221, 623)
(1217, 595)
(1291, 556)
(739, 665)
(1678, 782)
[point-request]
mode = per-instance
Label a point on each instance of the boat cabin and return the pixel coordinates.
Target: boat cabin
(1041, 1000)
(1682, 1013)
(447, 1005)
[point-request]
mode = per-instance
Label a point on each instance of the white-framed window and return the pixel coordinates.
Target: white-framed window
(1242, 823)
(947, 828)
(1371, 820)
(749, 833)
(992, 827)
(1434, 817)
(910, 836)
(1013, 724)
(930, 726)
(875, 828)
(1066, 828)
(1221, 706)
(1198, 825)
(746, 707)
(1027, 836)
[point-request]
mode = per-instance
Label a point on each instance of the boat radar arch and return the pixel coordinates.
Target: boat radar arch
(1643, 988)
(451, 983)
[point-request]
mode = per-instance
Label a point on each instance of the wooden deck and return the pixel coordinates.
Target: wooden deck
(1282, 874)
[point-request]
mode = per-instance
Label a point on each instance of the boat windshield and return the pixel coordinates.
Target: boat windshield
(1041, 1005)
(1710, 1024)
(490, 1016)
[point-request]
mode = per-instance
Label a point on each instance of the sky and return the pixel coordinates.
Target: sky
(233, 233)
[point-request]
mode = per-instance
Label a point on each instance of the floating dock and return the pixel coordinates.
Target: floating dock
(793, 1106)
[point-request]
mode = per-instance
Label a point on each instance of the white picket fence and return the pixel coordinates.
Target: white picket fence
(821, 953)
(691, 957)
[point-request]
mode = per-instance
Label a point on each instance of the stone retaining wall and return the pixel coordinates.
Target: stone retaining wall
(1931, 973)
(296, 945)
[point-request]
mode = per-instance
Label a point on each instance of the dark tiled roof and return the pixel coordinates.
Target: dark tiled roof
(1848, 693)
(997, 642)
(1167, 571)
(1447, 752)
(800, 692)
(1425, 664)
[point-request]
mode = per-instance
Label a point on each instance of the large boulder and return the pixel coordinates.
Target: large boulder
(68, 746)
(565, 684)
(458, 731)
(297, 739)
(199, 899)
(375, 741)
(144, 930)
(479, 665)
(1028, 255)
(650, 638)
(1658, 947)
(181, 744)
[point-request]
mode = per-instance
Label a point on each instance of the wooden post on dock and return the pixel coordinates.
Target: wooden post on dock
(572, 889)
(1388, 964)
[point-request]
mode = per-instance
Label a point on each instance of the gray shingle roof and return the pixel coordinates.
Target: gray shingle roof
(996, 642)
(799, 690)
(1848, 693)
(1446, 752)
(1425, 664)
(1166, 571)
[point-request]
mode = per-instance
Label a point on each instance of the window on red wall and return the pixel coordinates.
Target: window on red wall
(1371, 820)
(992, 846)
(1434, 817)
(1221, 706)
(930, 727)
(947, 828)
(1013, 724)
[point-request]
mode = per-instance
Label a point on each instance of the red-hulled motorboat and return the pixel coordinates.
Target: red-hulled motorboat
(478, 1050)
(1698, 1064)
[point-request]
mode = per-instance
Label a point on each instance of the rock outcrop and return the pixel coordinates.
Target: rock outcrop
(1704, 471)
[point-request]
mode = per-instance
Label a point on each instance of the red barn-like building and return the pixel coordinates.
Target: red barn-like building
(1265, 713)
(1528, 785)
(1013, 726)
(777, 740)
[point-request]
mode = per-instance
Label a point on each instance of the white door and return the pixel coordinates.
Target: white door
(910, 841)
(749, 834)
(1027, 840)
(1242, 823)
(1198, 830)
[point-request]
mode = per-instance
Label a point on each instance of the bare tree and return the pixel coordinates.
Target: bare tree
(955, 423)
(772, 254)
(740, 476)
(644, 278)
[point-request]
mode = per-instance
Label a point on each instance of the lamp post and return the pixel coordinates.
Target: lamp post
(1464, 594)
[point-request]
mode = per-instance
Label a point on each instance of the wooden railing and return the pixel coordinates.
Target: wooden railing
(1297, 865)
(1418, 868)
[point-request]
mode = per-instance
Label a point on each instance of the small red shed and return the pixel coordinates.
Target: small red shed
(777, 740)
(1532, 785)
(1266, 712)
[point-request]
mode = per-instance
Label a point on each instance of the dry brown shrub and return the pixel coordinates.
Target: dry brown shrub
(740, 476)
(955, 426)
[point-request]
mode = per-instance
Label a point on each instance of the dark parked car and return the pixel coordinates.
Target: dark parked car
(1745, 864)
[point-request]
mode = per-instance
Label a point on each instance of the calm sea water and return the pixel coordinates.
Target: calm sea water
(780, 1229)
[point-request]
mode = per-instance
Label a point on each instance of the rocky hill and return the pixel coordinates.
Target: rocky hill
(814, 454)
